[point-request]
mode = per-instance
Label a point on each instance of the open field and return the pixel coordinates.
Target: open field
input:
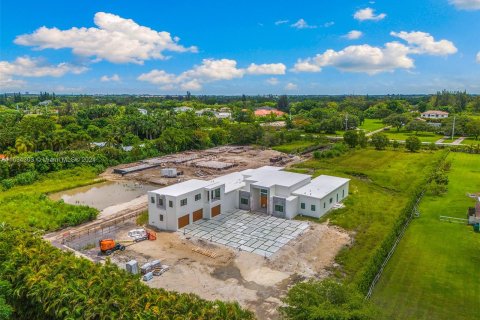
(372, 124)
(381, 182)
(25, 206)
(471, 141)
(434, 272)
(392, 134)
(295, 147)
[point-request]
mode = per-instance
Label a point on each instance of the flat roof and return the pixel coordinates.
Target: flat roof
(321, 186)
(268, 178)
(232, 181)
(182, 187)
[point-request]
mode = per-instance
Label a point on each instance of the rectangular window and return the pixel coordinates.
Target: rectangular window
(217, 193)
(302, 205)
(324, 205)
(337, 197)
(152, 199)
(263, 192)
(160, 202)
(331, 200)
(343, 193)
(244, 201)
(161, 217)
(278, 208)
(312, 207)
(198, 197)
(183, 202)
(170, 204)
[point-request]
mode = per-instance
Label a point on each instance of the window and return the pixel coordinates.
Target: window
(152, 199)
(302, 205)
(170, 204)
(216, 194)
(278, 208)
(263, 192)
(161, 217)
(160, 202)
(312, 207)
(343, 193)
(331, 200)
(337, 197)
(183, 202)
(244, 201)
(198, 197)
(324, 204)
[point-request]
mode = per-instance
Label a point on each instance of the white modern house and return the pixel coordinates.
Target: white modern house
(267, 190)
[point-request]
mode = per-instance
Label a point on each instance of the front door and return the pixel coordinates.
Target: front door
(263, 198)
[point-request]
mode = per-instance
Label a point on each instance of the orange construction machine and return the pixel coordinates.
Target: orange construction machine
(108, 246)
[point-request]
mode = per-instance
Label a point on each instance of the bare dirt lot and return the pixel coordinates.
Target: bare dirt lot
(254, 281)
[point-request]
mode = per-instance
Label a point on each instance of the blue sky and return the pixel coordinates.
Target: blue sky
(232, 47)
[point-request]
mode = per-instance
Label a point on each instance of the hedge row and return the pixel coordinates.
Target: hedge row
(379, 256)
(50, 284)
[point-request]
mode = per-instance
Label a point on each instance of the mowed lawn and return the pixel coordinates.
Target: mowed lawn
(381, 182)
(372, 124)
(435, 272)
(295, 146)
(403, 135)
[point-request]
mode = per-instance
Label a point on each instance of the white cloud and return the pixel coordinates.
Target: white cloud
(424, 43)
(368, 14)
(210, 70)
(328, 24)
(273, 81)
(291, 86)
(279, 22)
(116, 39)
(466, 4)
(353, 35)
(361, 58)
(302, 24)
(272, 68)
(477, 58)
(10, 83)
(115, 78)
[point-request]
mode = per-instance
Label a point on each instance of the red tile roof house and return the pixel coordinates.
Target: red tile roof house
(263, 112)
(434, 114)
(3, 157)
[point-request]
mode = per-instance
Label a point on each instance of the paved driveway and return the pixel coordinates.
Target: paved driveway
(252, 232)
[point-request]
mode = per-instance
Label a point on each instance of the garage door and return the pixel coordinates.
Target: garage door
(183, 221)
(197, 215)
(215, 211)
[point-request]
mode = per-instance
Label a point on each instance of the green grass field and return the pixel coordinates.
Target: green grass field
(27, 206)
(295, 146)
(471, 141)
(372, 125)
(434, 274)
(381, 182)
(403, 135)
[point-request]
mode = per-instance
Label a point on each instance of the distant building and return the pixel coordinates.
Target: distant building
(267, 190)
(434, 114)
(3, 157)
(45, 103)
(265, 111)
(223, 115)
(182, 109)
(98, 144)
(143, 111)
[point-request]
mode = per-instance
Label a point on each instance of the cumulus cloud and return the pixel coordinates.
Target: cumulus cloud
(291, 86)
(115, 39)
(424, 43)
(466, 4)
(302, 24)
(362, 58)
(273, 81)
(272, 68)
(368, 14)
(210, 70)
(353, 35)
(279, 22)
(114, 78)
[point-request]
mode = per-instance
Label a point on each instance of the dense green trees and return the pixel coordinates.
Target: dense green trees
(413, 144)
(380, 141)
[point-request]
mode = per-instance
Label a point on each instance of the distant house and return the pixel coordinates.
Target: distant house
(434, 114)
(3, 157)
(143, 111)
(98, 144)
(265, 111)
(45, 103)
(182, 109)
(223, 115)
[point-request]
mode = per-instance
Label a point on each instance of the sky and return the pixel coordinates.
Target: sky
(239, 47)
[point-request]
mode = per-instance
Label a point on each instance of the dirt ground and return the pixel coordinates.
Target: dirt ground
(255, 282)
(242, 158)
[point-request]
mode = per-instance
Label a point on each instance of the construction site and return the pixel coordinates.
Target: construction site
(194, 259)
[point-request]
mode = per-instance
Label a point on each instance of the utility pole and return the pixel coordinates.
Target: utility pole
(453, 127)
(346, 121)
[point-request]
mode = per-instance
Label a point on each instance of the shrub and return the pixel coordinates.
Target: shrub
(412, 143)
(380, 141)
(351, 138)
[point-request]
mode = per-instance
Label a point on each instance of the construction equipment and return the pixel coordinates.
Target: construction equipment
(142, 234)
(108, 246)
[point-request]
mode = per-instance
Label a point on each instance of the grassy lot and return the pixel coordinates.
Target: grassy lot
(295, 146)
(381, 182)
(471, 141)
(372, 125)
(403, 135)
(28, 206)
(434, 272)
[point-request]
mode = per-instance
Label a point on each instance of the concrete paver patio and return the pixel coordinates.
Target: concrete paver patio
(252, 232)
